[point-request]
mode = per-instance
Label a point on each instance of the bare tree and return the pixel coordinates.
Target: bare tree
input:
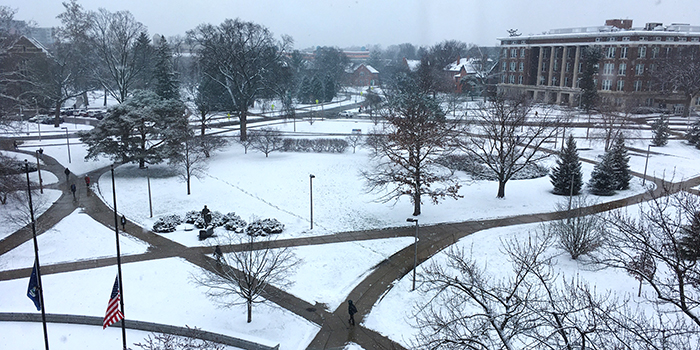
(614, 121)
(655, 239)
(266, 140)
(506, 137)
(243, 57)
(243, 277)
(578, 234)
(11, 180)
(162, 341)
(114, 36)
(355, 139)
(679, 73)
(189, 158)
(415, 136)
(467, 308)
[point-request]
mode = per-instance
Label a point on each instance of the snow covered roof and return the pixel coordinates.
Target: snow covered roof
(371, 69)
(466, 63)
(412, 64)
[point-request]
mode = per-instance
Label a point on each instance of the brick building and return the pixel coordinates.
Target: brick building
(548, 66)
(362, 75)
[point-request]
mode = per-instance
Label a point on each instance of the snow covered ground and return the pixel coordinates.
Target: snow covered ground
(278, 187)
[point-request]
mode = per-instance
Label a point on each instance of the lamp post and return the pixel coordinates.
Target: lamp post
(150, 203)
(67, 141)
(38, 169)
(311, 198)
(646, 162)
(415, 253)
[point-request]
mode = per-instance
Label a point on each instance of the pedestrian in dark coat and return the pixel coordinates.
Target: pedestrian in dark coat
(67, 172)
(87, 181)
(217, 253)
(72, 189)
(123, 221)
(352, 310)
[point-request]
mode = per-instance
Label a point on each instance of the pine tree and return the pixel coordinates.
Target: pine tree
(566, 176)
(693, 135)
(620, 164)
(660, 130)
(690, 240)
(329, 88)
(166, 86)
(603, 181)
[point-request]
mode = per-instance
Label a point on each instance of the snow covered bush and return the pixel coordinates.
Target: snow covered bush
(478, 171)
(315, 145)
(234, 223)
(264, 227)
(192, 216)
(217, 219)
(167, 223)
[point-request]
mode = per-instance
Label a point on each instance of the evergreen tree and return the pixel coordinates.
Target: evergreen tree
(566, 176)
(620, 164)
(304, 94)
(603, 181)
(316, 90)
(589, 97)
(329, 88)
(693, 135)
(166, 85)
(690, 240)
(660, 130)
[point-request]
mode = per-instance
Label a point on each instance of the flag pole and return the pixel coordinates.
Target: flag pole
(119, 259)
(36, 257)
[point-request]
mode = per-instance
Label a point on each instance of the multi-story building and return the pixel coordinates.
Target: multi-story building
(548, 66)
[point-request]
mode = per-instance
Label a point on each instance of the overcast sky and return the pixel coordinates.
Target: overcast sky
(384, 22)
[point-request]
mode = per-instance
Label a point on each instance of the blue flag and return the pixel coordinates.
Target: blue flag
(33, 290)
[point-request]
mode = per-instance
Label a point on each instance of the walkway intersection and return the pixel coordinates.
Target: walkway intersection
(335, 332)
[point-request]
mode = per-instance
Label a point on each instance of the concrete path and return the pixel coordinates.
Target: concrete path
(335, 332)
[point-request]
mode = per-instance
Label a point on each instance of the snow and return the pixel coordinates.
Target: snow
(61, 243)
(41, 202)
(277, 187)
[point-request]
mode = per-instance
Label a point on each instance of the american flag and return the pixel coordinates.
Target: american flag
(113, 313)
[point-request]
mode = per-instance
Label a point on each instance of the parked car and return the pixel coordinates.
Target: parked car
(37, 118)
(50, 120)
(346, 114)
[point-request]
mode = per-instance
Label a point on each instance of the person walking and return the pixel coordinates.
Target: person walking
(72, 189)
(67, 172)
(206, 216)
(123, 222)
(218, 254)
(87, 181)
(352, 310)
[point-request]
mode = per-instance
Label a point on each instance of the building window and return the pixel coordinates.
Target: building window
(642, 38)
(520, 79)
(511, 79)
(607, 84)
(620, 85)
(512, 66)
(580, 66)
(513, 53)
(542, 80)
(544, 66)
(626, 38)
(503, 67)
(658, 38)
(556, 65)
(623, 52)
(612, 38)
(652, 68)
(683, 39)
(642, 51)
(503, 79)
(521, 67)
(655, 52)
(568, 67)
(504, 54)
(637, 85)
(621, 69)
(597, 40)
(695, 40)
(639, 69)
(522, 53)
(566, 81)
(608, 68)
(670, 38)
(611, 52)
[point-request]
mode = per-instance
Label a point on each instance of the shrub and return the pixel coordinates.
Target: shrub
(192, 216)
(264, 227)
(167, 223)
(217, 219)
(234, 223)
(314, 145)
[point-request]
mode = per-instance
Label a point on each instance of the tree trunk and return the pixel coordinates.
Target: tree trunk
(57, 115)
(243, 125)
(188, 182)
(204, 119)
(686, 110)
(249, 304)
(501, 189)
(416, 204)
(142, 163)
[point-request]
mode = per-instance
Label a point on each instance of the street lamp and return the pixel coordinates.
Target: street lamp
(311, 198)
(38, 169)
(67, 141)
(150, 203)
(415, 253)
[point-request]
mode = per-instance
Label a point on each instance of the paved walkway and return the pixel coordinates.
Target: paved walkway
(335, 332)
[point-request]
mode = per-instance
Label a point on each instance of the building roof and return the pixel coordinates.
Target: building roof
(466, 63)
